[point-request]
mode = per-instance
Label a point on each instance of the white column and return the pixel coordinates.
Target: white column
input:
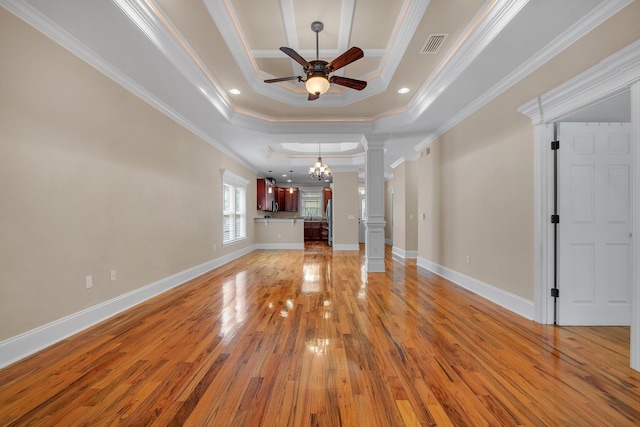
(635, 281)
(374, 239)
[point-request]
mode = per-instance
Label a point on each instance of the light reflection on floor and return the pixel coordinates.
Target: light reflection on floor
(234, 299)
(312, 293)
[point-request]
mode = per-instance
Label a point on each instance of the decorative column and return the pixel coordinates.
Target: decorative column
(374, 223)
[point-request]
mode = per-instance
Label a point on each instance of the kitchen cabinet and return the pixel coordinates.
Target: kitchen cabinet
(265, 194)
(314, 230)
(280, 199)
(291, 200)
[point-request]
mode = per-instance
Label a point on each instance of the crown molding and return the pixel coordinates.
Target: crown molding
(398, 162)
(594, 18)
(490, 20)
(151, 20)
(404, 30)
(272, 125)
(346, 20)
(613, 75)
(37, 20)
(225, 19)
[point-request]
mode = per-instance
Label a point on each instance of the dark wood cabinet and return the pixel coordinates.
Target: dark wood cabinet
(266, 194)
(291, 200)
(315, 230)
(280, 199)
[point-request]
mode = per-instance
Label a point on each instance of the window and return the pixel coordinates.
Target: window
(311, 204)
(234, 207)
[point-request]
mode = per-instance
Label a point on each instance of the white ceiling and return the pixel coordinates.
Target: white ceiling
(183, 57)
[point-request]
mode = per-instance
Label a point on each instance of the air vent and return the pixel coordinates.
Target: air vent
(433, 43)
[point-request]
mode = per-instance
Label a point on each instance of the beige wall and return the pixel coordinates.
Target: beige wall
(345, 208)
(477, 182)
(93, 179)
(478, 201)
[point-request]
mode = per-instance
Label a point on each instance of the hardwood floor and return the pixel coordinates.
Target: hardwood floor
(304, 338)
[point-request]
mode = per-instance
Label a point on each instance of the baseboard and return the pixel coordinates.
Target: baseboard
(346, 247)
(401, 253)
(27, 343)
(514, 303)
(279, 245)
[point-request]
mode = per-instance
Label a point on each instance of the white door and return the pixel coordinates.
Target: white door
(594, 234)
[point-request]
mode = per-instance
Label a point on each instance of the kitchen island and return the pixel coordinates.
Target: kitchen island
(279, 233)
(289, 233)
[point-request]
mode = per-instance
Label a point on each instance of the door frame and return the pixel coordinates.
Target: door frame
(616, 74)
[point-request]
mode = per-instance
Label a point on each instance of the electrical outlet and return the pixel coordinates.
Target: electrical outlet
(468, 259)
(113, 275)
(88, 282)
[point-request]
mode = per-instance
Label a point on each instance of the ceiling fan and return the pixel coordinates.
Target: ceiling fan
(317, 71)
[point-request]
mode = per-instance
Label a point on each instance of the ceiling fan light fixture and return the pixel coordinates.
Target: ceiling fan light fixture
(317, 84)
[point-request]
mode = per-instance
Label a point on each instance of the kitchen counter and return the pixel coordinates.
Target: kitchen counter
(296, 219)
(293, 220)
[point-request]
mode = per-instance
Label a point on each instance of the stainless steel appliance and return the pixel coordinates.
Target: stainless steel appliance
(330, 221)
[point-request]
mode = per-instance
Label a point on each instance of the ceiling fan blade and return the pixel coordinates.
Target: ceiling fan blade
(296, 56)
(347, 82)
(283, 79)
(313, 97)
(346, 58)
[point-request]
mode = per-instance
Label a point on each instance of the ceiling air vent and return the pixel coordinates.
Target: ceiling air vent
(433, 43)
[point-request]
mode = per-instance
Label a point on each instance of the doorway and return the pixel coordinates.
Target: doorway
(614, 75)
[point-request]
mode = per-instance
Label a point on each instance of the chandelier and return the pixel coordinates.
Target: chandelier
(320, 171)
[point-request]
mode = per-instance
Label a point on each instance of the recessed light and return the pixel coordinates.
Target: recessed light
(284, 175)
(403, 90)
(235, 91)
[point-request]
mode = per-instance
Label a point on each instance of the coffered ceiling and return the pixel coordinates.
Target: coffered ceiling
(204, 62)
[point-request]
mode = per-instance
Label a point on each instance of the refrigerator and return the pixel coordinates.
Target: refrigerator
(330, 222)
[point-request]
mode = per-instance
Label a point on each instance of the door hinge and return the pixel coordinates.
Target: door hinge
(555, 292)
(555, 219)
(555, 145)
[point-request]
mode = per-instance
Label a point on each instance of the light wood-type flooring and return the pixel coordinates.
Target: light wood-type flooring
(305, 338)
